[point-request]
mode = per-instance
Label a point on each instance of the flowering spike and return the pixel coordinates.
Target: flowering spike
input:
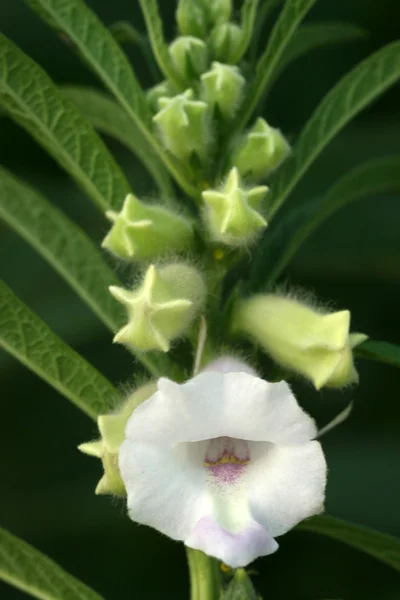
(162, 308)
(224, 41)
(262, 150)
(142, 231)
(189, 56)
(231, 213)
(314, 344)
(223, 87)
(182, 126)
(112, 431)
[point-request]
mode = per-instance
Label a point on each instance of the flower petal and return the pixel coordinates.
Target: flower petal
(165, 485)
(234, 549)
(286, 484)
(212, 405)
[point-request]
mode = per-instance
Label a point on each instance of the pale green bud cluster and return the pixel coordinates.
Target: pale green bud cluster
(298, 337)
(182, 125)
(161, 308)
(112, 434)
(145, 231)
(261, 151)
(197, 17)
(232, 212)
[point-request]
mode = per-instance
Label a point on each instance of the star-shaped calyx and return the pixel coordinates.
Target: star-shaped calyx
(142, 231)
(232, 214)
(161, 308)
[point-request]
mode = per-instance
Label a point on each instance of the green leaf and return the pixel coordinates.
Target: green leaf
(283, 239)
(249, 13)
(292, 14)
(109, 118)
(125, 33)
(381, 546)
(64, 245)
(358, 88)
(263, 14)
(26, 337)
(310, 37)
(27, 569)
(380, 352)
(99, 49)
(154, 27)
(34, 102)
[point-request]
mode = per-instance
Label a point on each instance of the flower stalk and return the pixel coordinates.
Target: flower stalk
(204, 584)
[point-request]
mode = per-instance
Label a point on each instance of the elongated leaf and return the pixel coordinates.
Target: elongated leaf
(310, 37)
(292, 14)
(24, 567)
(98, 47)
(64, 245)
(263, 13)
(155, 30)
(380, 352)
(248, 20)
(108, 117)
(381, 546)
(361, 86)
(125, 33)
(285, 237)
(33, 101)
(27, 338)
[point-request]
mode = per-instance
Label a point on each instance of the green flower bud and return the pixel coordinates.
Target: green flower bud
(162, 308)
(189, 56)
(191, 17)
(143, 231)
(182, 125)
(231, 213)
(219, 11)
(161, 90)
(240, 587)
(112, 431)
(224, 41)
(222, 86)
(262, 150)
(313, 344)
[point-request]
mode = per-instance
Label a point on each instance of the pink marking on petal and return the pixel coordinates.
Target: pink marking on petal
(226, 459)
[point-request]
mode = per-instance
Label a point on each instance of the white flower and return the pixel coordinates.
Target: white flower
(223, 462)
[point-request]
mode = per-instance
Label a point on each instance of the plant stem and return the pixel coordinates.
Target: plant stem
(203, 584)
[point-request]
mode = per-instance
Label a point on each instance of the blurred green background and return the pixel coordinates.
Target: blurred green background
(353, 260)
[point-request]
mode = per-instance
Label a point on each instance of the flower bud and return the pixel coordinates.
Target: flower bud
(189, 56)
(313, 344)
(191, 17)
(112, 431)
(262, 150)
(161, 90)
(182, 125)
(162, 308)
(224, 41)
(222, 86)
(231, 213)
(219, 11)
(143, 231)
(240, 587)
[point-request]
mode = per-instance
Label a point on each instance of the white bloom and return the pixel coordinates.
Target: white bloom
(223, 462)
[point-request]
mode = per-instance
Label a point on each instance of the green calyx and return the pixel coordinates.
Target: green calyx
(222, 87)
(143, 231)
(182, 125)
(261, 151)
(190, 56)
(112, 432)
(161, 90)
(231, 213)
(162, 308)
(224, 41)
(197, 17)
(314, 344)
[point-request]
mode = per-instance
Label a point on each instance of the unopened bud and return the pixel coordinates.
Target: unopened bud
(240, 587)
(223, 87)
(161, 90)
(189, 56)
(224, 41)
(191, 17)
(182, 125)
(145, 231)
(314, 344)
(231, 213)
(112, 431)
(162, 308)
(262, 150)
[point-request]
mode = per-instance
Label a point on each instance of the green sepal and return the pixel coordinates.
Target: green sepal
(190, 56)
(223, 86)
(224, 42)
